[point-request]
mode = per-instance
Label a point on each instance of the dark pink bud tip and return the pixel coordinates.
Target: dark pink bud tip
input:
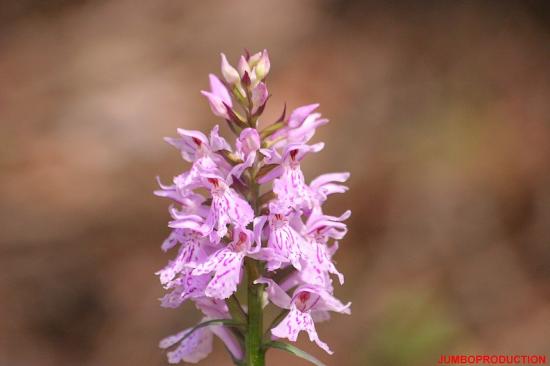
(246, 79)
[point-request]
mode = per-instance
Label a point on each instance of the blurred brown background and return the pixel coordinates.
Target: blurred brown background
(439, 109)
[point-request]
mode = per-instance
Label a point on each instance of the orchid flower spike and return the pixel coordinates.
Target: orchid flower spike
(243, 215)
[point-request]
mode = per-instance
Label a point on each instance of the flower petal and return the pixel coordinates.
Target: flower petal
(276, 294)
(299, 114)
(294, 323)
(194, 348)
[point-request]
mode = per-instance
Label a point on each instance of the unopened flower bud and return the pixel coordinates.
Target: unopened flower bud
(246, 79)
(230, 74)
(253, 60)
(243, 67)
(216, 104)
(248, 141)
(218, 97)
(259, 96)
(263, 66)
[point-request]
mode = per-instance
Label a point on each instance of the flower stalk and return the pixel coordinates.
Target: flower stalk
(255, 355)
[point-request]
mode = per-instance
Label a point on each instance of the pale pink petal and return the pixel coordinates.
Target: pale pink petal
(283, 239)
(212, 308)
(243, 66)
(216, 104)
(239, 169)
(248, 141)
(306, 130)
(312, 332)
(173, 339)
(263, 66)
(228, 338)
(230, 74)
(258, 226)
(266, 254)
(299, 114)
(190, 253)
(259, 96)
(274, 173)
(227, 207)
(217, 88)
(276, 294)
(216, 141)
(184, 287)
(320, 316)
(194, 348)
(329, 178)
(227, 267)
(291, 325)
(331, 303)
(211, 264)
(188, 143)
(227, 277)
(170, 241)
(294, 323)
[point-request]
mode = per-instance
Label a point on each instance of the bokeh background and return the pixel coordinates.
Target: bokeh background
(440, 110)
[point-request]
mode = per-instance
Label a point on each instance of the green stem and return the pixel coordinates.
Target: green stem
(268, 131)
(255, 355)
(255, 352)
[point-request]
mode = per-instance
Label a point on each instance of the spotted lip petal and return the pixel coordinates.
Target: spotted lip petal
(290, 187)
(191, 253)
(227, 207)
(295, 322)
(318, 265)
(185, 286)
(285, 241)
(306, 302)
(226, 264)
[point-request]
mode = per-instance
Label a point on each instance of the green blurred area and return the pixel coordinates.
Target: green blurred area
(412, 330)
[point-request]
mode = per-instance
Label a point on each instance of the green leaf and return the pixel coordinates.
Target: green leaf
(295, 351)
